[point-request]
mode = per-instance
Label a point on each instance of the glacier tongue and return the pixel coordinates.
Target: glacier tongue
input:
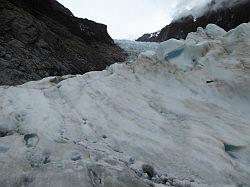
(176, 115)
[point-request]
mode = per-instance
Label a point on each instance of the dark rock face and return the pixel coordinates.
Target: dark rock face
(226, 18)
(145, 38)
(40, 38)
(149, 37)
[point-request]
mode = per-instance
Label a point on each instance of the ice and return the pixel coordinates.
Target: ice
(179, 107)
(213, 31)
(135, 48)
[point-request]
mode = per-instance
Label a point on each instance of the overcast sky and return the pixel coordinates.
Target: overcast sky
(129, 19)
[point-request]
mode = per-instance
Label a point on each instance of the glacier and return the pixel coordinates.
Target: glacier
(175, 114)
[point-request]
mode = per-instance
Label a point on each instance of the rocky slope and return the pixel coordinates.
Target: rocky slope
(152, 37)
(177, 115)
(227, 17)
(40, 38)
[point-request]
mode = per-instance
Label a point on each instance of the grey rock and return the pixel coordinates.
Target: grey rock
(75, 156)
(156, 179)
(164, 179)
(131, 160)
(16, 43)
(168, 184)
(51, 44)
(8, 56)
(149, 170)
(104, 136)
(2, 51)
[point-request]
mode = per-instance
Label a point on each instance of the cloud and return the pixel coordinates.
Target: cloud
(184, 7)
(125, 18)
(129, 19)
(199, 7)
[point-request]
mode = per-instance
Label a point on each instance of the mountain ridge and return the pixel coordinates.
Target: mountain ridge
(226, 18)
(43, 38)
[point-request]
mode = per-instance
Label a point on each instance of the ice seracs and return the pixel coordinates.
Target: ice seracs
(178, 115)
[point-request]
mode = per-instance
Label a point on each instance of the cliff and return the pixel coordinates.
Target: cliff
(40, 38)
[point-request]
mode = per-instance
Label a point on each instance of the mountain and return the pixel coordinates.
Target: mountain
(41, 38)
(176, 115)
(225, 16)
(152, 37)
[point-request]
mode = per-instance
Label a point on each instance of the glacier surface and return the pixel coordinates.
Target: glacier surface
(177, 114)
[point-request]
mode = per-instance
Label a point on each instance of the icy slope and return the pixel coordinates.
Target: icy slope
(133, 49)
(178, 115)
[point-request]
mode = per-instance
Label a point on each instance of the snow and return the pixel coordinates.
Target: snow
(155, 34)
(180, 106)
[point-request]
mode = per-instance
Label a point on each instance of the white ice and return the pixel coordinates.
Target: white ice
(181, 106)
